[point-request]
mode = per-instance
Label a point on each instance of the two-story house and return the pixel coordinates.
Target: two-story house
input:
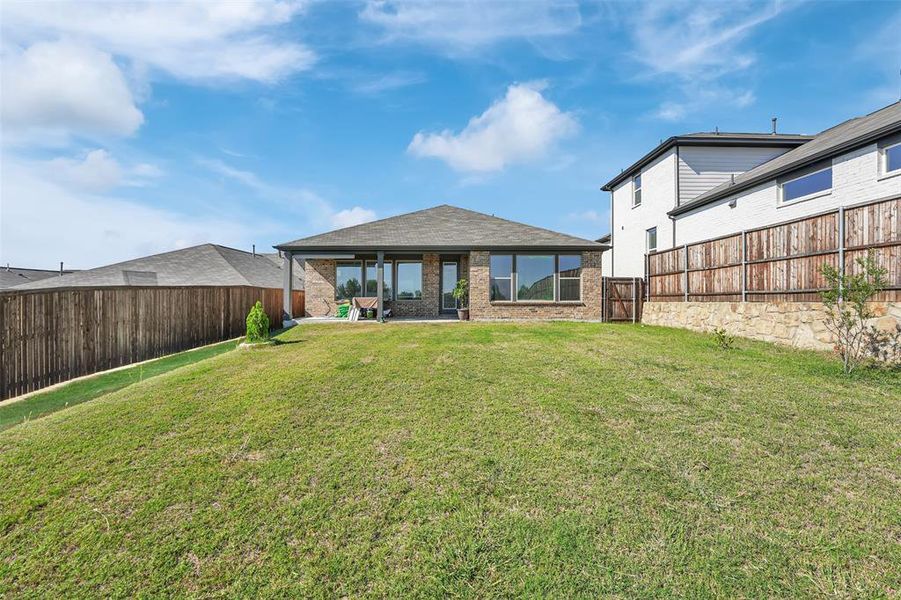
(699, 186)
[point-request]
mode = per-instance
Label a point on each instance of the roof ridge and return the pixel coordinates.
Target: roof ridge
(219, 249)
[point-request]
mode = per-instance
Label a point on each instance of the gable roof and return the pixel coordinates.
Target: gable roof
(710, 138)
(203, 265)
(842, 138)
(13, 276)
(442, 227)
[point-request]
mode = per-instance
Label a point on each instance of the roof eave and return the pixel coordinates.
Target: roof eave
(419, 249)
(823, 155)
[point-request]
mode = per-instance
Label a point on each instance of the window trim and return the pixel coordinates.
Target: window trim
(647, 240)
(884, 173)
(389, 266)
(810, 196)
(397, 264)
(514, 279)
(636, 190)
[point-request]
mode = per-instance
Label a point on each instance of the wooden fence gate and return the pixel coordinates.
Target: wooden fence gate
(622, 299)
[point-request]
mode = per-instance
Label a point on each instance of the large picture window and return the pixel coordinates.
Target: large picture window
(535, 278)
(347, 280)
(500, 277)
(409, 280)
(372, 282)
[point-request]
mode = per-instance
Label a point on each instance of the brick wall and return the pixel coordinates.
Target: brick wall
(481, 308)
(319, 284)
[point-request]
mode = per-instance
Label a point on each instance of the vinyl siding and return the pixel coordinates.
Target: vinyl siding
(855, 178)
(702, 168)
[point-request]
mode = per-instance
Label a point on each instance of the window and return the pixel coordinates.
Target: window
(892, 157)
(347, 280)
(570, 269)
(651, 239)
(807, 185)
(636, 191)
(409, 280)
(500, 277)
(534, 277)
(372, 282)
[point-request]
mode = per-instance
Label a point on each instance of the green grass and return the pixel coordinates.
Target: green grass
(478, 460)
(43, 403)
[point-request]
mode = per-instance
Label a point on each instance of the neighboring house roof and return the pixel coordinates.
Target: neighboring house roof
(12, 276)
(440, 228)
(204, 265)
(710, 138)
(604, 239)
(840, 139)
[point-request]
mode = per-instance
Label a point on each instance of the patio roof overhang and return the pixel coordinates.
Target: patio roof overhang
(339, 252)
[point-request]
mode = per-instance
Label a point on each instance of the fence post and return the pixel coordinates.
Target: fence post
(647, 276)
(685, 275)
(634, 296)
(744, 266)
(841, 253)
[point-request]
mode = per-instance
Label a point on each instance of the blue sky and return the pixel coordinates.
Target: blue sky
(135, 128)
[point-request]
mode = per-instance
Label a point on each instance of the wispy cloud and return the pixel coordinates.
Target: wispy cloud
(318, 211)
(520, 127)
(375, 85)
(460, 27)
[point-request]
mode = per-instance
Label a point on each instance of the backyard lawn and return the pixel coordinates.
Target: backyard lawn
(478, 460)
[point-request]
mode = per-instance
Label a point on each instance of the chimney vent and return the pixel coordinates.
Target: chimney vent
(774, 125)
(254, 252)
(60, 268)
(716, 130)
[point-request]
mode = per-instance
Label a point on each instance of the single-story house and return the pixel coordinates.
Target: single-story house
(515, 271)
(12, 276)
(203, 265)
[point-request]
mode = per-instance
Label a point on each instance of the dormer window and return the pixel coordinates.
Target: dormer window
(636, 191)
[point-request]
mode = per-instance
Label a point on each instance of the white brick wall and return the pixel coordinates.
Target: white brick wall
(855, 179)
(658, 194)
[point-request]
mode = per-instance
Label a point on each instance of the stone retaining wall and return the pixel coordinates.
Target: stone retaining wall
(798, 324)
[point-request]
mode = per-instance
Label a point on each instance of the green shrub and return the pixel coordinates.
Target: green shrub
(257, 324)
(724, 341)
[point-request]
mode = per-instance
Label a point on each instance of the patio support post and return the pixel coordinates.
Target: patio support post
(380, 285)
(287, 283)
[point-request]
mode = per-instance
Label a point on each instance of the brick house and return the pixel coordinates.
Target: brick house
(515, 271)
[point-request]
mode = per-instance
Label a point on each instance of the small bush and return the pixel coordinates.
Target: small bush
(724, 341)
(257, 324)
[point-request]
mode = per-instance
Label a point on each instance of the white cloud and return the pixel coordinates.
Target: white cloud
(98, 171)
(43, 222)
(698, 97)
(352, 216)
(316, 210)
(53, 89)
(385, 83)
(193, 40)
(463, 26)
(520, 127)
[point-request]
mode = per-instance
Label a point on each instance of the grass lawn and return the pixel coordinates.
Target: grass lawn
(76, 392)
(473, 460)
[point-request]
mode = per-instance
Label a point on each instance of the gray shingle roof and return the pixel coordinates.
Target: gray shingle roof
(710, 138)
(207, 264)
(12, 276)
(842, 138)
(441, 227)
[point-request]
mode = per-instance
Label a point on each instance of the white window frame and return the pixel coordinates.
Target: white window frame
(389, 270)
(636, 190)
(647, 240)
(883, 162)
(810, 196)
(511, 277)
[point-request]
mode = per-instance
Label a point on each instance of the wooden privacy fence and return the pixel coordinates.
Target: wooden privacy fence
(780, 262)
(49, 336)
